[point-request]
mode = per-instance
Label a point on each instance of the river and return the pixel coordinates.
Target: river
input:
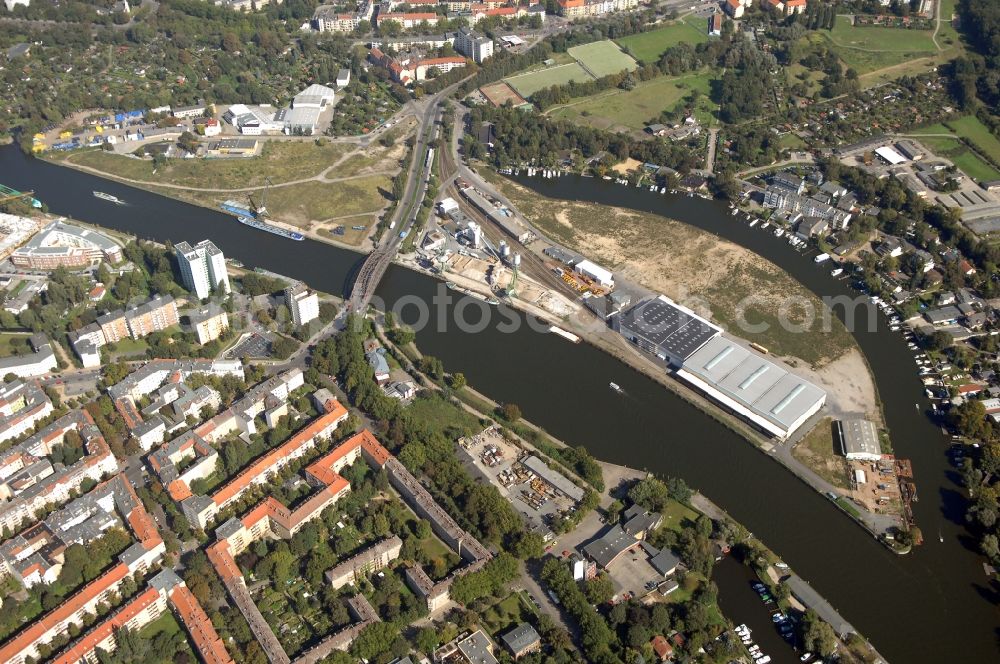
(933, 605)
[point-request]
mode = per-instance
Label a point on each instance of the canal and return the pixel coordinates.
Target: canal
(934, 605)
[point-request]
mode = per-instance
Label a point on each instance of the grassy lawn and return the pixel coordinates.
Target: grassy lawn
(649, 46)
(602, 58)
(677, 514)
(947, 35)
(969, 162)
(791, 142)
(634, 109)
(868, 49)
(819, 453)
(166, 623)
(281, 161)
(971, 129)
(6, 350)
(974, 166)
(848, 507)
(436, 414)
(508, 612)
(300, 204)
(127, 347)
(530, 83)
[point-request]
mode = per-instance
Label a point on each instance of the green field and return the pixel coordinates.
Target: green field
(868, 49)
(602, 58)
(649, 46)
(282, 161)
(974, 131)
(979, 134)
(634, 109)
(530, 83)
(20, 343)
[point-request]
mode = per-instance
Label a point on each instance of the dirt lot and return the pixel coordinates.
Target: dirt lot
(879, 493)
(711, 275)
(818, 451)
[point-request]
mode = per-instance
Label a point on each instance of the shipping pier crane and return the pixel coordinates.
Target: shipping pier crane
(260, 209)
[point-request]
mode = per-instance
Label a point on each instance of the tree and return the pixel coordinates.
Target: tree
(817, 636)
(426, 640)
(510, 412)
(458, 381)
(188, 142)
(375, 639)
(600, 589)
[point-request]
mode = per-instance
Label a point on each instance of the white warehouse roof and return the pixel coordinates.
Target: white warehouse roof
(595, 272)
(890, 155)
(757, 389)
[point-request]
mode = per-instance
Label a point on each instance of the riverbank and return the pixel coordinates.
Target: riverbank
(843, 375)
(602, 337)
(616, 479)
(320, 185)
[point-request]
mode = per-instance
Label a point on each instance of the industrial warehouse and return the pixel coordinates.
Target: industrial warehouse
(760, 391)
(765, 394)
(662, 327)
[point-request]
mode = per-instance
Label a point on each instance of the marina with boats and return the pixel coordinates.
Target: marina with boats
(695, 439)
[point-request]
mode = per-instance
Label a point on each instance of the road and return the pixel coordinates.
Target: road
(713, 140)
(401, 222)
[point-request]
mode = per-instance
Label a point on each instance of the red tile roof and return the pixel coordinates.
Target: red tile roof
(34, 632)
(202, 632)
(88, 643)
(239, 483)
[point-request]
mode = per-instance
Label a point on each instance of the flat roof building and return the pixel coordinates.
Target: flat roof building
(761, 392)
(65, 245)
(890, 156)
(859, 439)
(554, 478)
(594, 271)
(666, 329)
(203, 268)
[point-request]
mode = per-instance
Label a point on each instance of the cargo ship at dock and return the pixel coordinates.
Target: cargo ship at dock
(247, 218)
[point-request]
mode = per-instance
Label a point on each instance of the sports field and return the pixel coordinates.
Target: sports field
(500, 93)
(530, 83)
(649, 46)
(602, 58)
(634, 109)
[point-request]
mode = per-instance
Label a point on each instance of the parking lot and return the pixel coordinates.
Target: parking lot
(255, 346)
(633, 574)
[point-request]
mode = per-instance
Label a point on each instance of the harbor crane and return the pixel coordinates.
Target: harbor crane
(260, 209)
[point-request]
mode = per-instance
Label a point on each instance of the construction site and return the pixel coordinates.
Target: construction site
(472, 250)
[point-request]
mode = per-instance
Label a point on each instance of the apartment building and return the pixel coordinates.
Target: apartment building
(209, 323)
(203, 268)
(66, 245)
(202, 509)
(302, 303)
(584, 8)
(473, 45)
(138, 558)
(155, 315)
(22, 405)
(29, 482)
(409, 19)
